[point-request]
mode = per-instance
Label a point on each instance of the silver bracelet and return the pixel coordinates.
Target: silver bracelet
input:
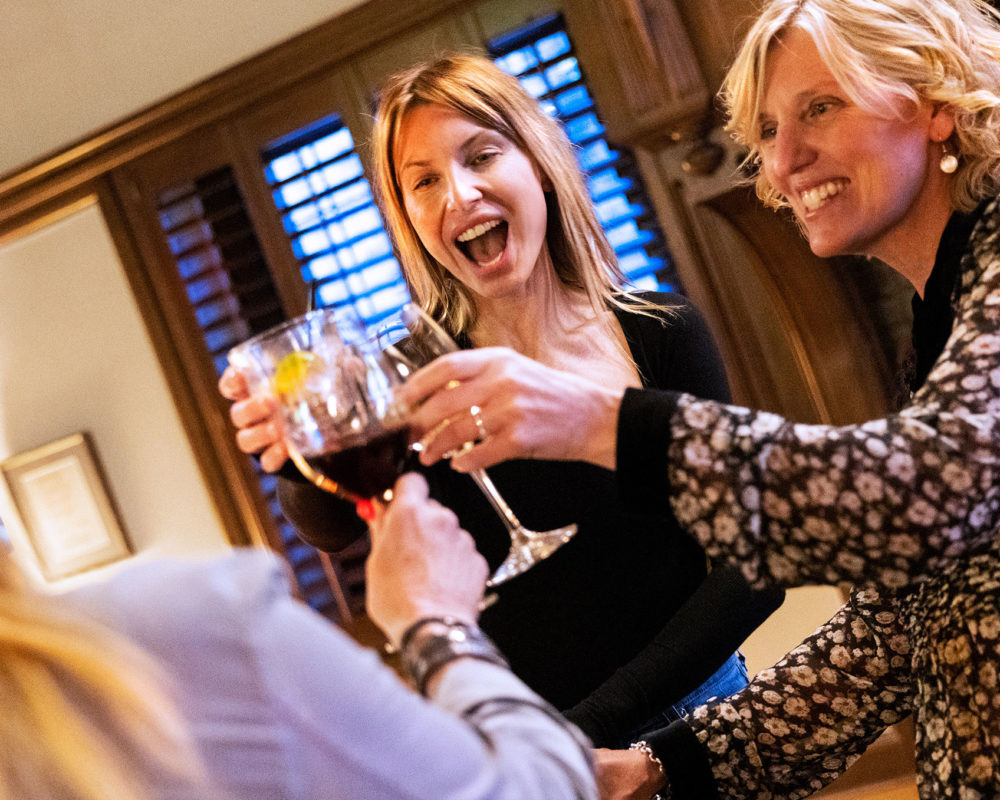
(433, 642)
(643, 747)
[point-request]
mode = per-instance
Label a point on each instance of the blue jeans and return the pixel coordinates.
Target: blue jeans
(727, 679)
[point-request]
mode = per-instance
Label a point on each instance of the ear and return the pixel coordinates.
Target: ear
(942, 124)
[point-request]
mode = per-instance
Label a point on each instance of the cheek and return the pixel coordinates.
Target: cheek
(421, 223)
(766, 179)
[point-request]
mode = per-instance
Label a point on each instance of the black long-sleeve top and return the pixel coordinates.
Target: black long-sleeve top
(624, 619)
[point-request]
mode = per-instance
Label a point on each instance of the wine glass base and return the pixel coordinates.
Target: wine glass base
(534, 546)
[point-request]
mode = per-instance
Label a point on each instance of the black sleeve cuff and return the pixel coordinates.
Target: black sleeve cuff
(643, 438)
(685, 762)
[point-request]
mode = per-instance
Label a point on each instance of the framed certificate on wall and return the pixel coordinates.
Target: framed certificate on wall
(65, 505)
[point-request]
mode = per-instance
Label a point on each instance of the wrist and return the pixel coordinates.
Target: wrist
(600, 443)
(432, 643)
(406, 623)
(656, 775)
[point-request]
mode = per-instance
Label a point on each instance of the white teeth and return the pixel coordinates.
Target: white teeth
(477, 231)
(814, 198)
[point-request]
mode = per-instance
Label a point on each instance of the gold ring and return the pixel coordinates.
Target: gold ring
(477, 417)
(430, 436)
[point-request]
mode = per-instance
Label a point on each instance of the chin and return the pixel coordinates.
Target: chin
(825, 247)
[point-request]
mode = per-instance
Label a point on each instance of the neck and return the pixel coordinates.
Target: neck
(912, 247)
(532, 319)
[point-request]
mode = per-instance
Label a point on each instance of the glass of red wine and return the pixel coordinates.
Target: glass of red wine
(409, 339)
(344, 429)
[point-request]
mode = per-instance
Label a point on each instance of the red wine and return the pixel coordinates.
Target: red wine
(369, 467)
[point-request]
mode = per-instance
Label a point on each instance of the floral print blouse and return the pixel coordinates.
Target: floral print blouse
(906, 508)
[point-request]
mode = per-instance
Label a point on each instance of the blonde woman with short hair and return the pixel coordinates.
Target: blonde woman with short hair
(204, 679)
(877, 122)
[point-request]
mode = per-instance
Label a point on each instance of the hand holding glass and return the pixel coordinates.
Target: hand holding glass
(340, 420)
(410, 339)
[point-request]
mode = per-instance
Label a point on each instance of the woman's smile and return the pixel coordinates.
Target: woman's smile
(855, 179)
(474, 198)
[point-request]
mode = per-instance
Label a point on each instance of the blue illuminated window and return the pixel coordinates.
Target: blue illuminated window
(540, 55)
(336, 231)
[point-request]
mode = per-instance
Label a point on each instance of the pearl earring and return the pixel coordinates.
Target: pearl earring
(949, 161)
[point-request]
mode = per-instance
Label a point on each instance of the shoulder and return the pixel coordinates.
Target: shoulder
(984, 237)
(671, 322)
(673, 346)
(165, 597)
(669, 310)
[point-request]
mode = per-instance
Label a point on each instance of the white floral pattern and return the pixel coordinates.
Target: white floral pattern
(908, 509)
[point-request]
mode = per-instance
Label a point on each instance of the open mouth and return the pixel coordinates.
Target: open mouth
(485, 243)
(815, 197)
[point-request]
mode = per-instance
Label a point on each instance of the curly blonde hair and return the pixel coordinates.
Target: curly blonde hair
(882, 51)
(476, 87)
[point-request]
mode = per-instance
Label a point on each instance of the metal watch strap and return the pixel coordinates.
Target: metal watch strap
(430, 644)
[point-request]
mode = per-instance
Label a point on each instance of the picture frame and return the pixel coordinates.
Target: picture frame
(62, 497)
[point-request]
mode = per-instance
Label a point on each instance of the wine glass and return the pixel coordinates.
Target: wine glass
(341, 422)
(410, 338)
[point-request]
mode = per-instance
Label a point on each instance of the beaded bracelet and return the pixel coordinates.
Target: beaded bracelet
(643, 747)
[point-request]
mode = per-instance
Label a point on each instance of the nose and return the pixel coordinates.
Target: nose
(463, 187)
(789, 151)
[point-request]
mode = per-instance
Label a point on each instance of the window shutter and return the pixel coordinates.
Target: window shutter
(233, 297)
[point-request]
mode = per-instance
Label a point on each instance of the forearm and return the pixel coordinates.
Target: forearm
(794, 504)
(694, 643)
(534, 751)
(801, 723)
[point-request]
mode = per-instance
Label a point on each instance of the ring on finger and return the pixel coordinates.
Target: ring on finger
(431, 435)
(477, 417)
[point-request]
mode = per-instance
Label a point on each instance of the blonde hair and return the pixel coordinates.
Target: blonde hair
(882, 51)
(79, 708)
(474, 86)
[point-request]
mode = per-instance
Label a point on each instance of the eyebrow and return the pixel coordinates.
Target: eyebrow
(466, 145)
(821, 88)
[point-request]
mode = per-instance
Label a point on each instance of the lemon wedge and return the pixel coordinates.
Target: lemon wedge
(293, 370)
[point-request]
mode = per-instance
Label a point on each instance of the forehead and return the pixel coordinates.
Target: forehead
(793, 67)
(429, 127)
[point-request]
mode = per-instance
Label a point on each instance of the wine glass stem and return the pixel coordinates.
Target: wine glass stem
(486, 484)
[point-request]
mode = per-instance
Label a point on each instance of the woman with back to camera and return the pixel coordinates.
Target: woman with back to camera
(191, 679)
(878, 123)
(499, 240)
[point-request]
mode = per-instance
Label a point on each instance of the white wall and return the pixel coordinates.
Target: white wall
(74, 353)
(75, 356)
(72, 67)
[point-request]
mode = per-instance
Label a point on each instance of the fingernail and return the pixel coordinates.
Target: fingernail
(365, 510)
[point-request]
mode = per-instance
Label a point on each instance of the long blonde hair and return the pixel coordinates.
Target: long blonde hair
(880, 51)
(476, 87)
(80, 709)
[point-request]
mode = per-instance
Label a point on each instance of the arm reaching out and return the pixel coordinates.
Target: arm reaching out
(422, 564)
(528, 410)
